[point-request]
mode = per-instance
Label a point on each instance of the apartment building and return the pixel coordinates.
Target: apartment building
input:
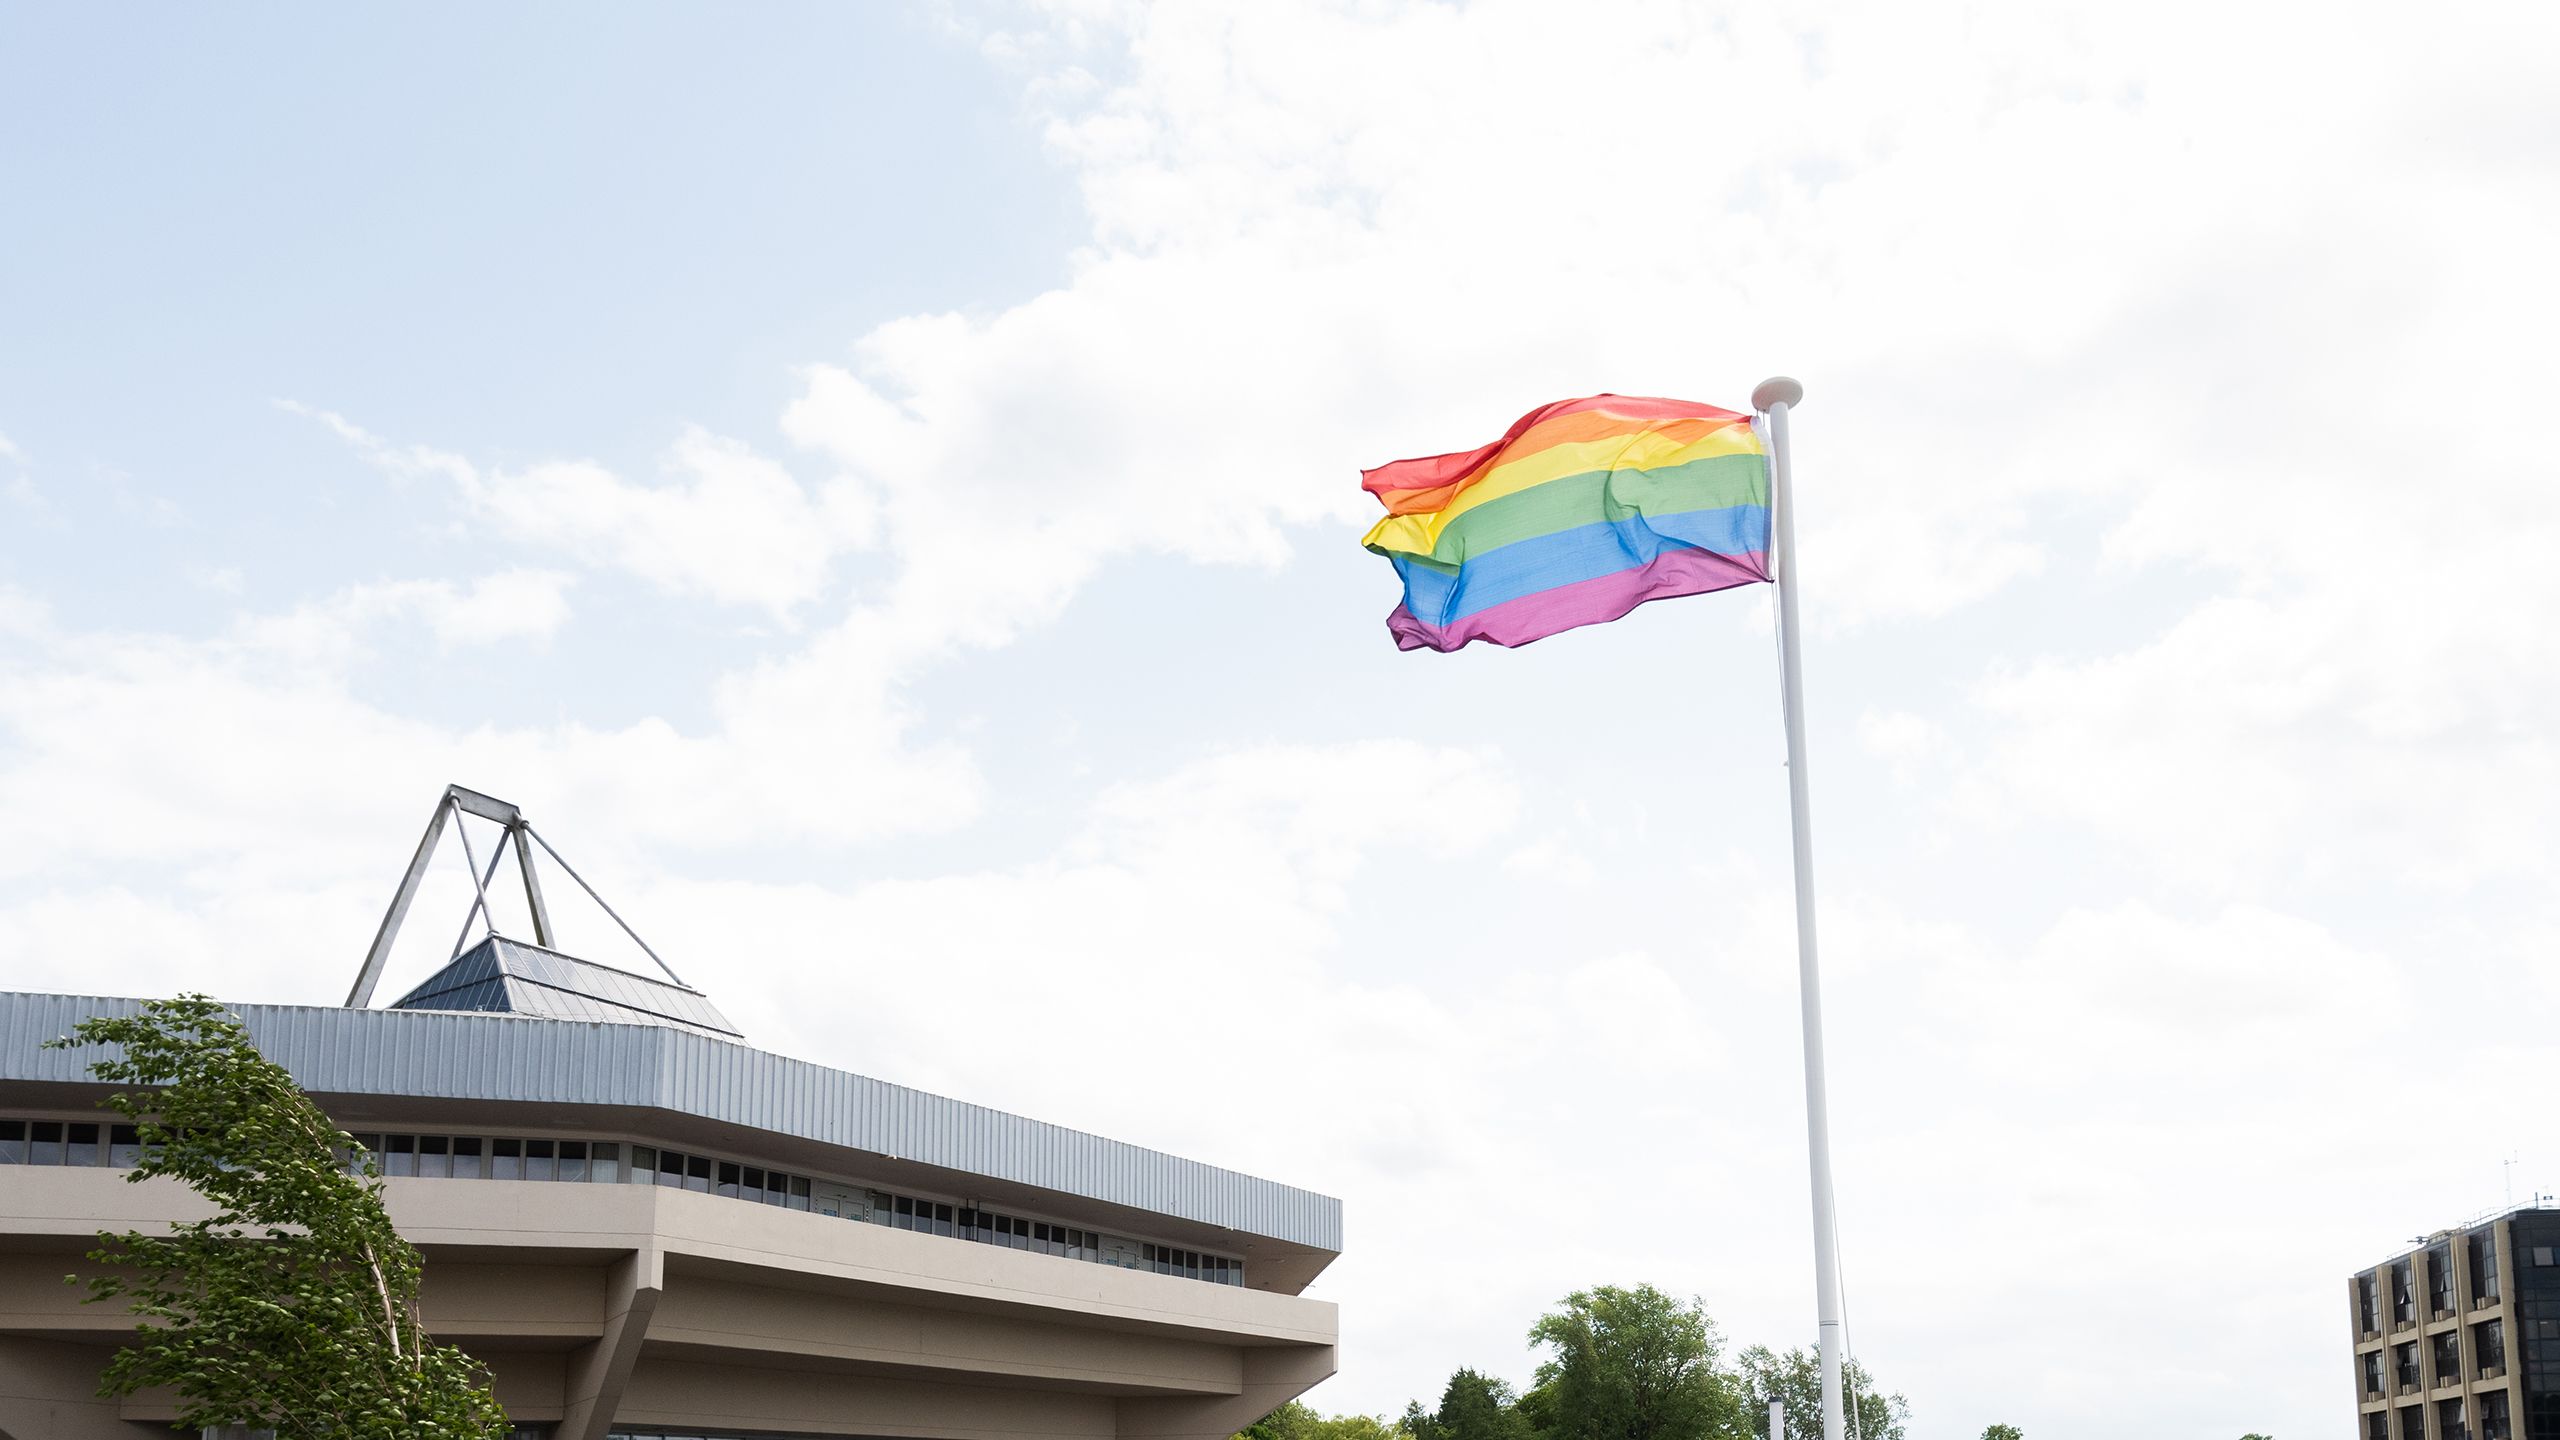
(2459, 1339)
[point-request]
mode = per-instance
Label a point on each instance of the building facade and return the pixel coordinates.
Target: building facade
(645, 1227)
(2459, 1339)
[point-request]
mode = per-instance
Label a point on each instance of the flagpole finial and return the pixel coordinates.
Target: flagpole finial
(1777, 390)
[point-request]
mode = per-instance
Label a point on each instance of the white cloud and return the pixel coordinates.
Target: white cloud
(518, 605)
(732, 526)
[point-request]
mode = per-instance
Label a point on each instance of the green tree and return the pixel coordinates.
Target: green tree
(2004, 1432)
(1629, 1365)
(1295, 1421)
(1794, 1380)
(1473, 1407)
(293, 1308)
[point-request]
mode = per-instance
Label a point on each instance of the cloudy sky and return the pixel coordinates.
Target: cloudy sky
(879, 486)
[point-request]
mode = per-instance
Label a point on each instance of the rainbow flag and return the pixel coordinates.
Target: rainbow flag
(1582, 511)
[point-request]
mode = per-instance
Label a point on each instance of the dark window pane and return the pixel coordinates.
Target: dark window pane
(124, 1146)
(604, 1162)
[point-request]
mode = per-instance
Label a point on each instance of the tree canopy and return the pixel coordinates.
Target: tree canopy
(1625, 1364)
(294, 1307)
(1473, 1407)
(1294, 1421)
(1794, 1380)
(1631, 1364)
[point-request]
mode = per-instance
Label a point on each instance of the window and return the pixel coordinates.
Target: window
(2448, 1356)
(2489, 1345)
(2404, 1308)
(2413, 1422)
(2483, 1246)
(2440, 1279)
(2404, 1364)
(2368, 1306)
(2541, 1254)
(2449, 1424)
(474, 1157)
(2493, 1416)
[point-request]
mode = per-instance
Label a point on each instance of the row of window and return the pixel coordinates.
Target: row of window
(2488, 1348)
(67, 1142)
(477, 1157)
(986, 1227)
(499, 1157)
(2452, 1421)
(2482, 1246)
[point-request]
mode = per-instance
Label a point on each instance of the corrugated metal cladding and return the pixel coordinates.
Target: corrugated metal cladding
(444, 1055)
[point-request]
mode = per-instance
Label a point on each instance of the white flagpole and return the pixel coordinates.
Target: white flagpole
(1774, 398)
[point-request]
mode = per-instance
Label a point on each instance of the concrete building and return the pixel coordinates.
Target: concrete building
(645, 1227)
(2459, 1339)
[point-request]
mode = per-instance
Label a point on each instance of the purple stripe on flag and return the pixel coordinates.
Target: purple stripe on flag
(1585, 602)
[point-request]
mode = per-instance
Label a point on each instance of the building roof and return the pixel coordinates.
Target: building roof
(670, 1064)
(514, 978)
